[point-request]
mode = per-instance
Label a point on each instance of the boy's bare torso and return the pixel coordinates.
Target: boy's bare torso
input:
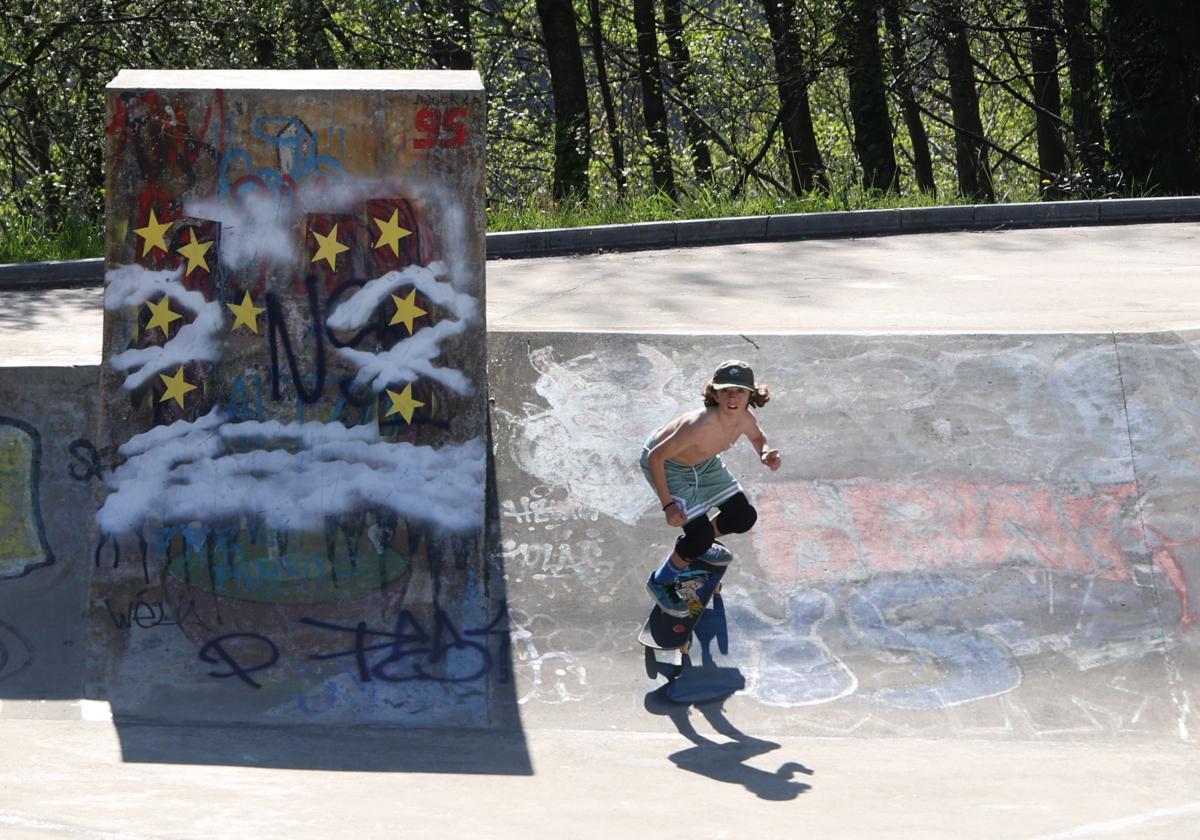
(706, 432)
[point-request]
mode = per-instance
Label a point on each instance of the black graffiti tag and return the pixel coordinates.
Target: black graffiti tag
(233, 648)
(408, 652)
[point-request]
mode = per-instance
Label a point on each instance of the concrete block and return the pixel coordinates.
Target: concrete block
(611, 237)
(52, 274)
(718, 231)
(929, 219)
(517, 243)
(841, 223)
(1005, 215)
(1053, 213)
(1166, 209)
(294, 373)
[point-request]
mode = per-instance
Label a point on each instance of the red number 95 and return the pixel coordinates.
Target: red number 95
(448, 131)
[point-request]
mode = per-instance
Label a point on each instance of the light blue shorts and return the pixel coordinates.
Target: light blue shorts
(696, 489)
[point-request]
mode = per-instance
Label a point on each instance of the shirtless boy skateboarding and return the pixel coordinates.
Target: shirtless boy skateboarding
(682, 463)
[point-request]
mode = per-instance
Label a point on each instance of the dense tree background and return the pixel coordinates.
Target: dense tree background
(688, 99)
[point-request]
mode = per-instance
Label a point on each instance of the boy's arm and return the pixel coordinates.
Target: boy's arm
(673, 444)
(770, 457)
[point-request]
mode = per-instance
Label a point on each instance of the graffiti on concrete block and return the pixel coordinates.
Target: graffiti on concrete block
(412, 650)
(16, 651)
(23, 545)
(294, 445)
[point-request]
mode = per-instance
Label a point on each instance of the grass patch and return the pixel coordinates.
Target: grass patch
(23, 240)
(541, 213)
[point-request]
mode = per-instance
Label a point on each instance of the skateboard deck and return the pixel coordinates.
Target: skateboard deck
(668, 632)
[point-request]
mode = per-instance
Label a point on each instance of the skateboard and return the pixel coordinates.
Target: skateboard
(668, 632)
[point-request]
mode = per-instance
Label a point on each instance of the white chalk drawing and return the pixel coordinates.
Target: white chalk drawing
(789, 663)
(552, 678)
(132, 286)
(214, 470)
(589, 436)
(573, 558)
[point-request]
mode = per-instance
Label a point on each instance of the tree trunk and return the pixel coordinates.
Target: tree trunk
(971, 163)
(606, 99)
(922, 159)
(572, 117)
(653, 105)
(1085, 110)
(447, 26)
(873, 133)
(313, 51)
(1154, 122)
(805, 166)
(1046, 96)
(680, 63)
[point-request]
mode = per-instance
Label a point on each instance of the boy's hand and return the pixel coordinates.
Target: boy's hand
(771, 458)
(675, 517)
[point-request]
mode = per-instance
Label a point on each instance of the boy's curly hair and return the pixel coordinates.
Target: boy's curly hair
(759, 397)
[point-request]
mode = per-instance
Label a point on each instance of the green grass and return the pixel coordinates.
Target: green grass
(542, 213)
(24, 240)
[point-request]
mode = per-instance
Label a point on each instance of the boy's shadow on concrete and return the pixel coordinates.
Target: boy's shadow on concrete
(706, 688)
(726, 762)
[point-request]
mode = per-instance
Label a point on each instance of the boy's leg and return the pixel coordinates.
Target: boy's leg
(697, 536)
(735, 516)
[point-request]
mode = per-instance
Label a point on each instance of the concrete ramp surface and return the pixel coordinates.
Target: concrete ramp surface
(986, 536)
(968, 607)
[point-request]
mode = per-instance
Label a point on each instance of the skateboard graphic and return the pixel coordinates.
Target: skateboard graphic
(663, 631)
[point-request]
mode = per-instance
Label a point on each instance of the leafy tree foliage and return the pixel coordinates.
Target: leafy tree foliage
(1003, 99)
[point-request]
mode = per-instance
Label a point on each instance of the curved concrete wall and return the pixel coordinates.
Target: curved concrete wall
(47, 478)
(989, 536)
(974, 536)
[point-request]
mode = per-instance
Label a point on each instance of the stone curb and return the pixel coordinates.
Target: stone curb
(693, 232)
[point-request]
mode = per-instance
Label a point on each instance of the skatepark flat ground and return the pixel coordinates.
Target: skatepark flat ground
(1094, 737)
(68, 779)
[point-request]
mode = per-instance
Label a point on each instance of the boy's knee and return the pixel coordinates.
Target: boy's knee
(737, 517)
(697, 538)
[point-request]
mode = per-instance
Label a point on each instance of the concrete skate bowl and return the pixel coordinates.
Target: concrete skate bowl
(971, 536)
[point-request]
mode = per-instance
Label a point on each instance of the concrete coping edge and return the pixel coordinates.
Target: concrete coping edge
(523, 244)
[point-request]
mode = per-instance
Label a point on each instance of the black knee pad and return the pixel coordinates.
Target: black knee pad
(697, 537)
(737, 516)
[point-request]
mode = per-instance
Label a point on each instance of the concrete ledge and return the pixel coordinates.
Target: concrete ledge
(937, 219)
(721, 231)
(52, 275)
(1171, 208)
(820, 225)
(524, 244)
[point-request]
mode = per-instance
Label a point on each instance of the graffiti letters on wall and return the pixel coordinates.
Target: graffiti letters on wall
(23, 545)
(293, 383)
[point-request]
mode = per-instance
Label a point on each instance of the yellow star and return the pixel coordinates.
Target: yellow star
(177, 386)
(245, 314)
(329, 248)
(390, 232)
(403, 403)
(195, 251)
(407, 311)
(162, 316)
(153, 234)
